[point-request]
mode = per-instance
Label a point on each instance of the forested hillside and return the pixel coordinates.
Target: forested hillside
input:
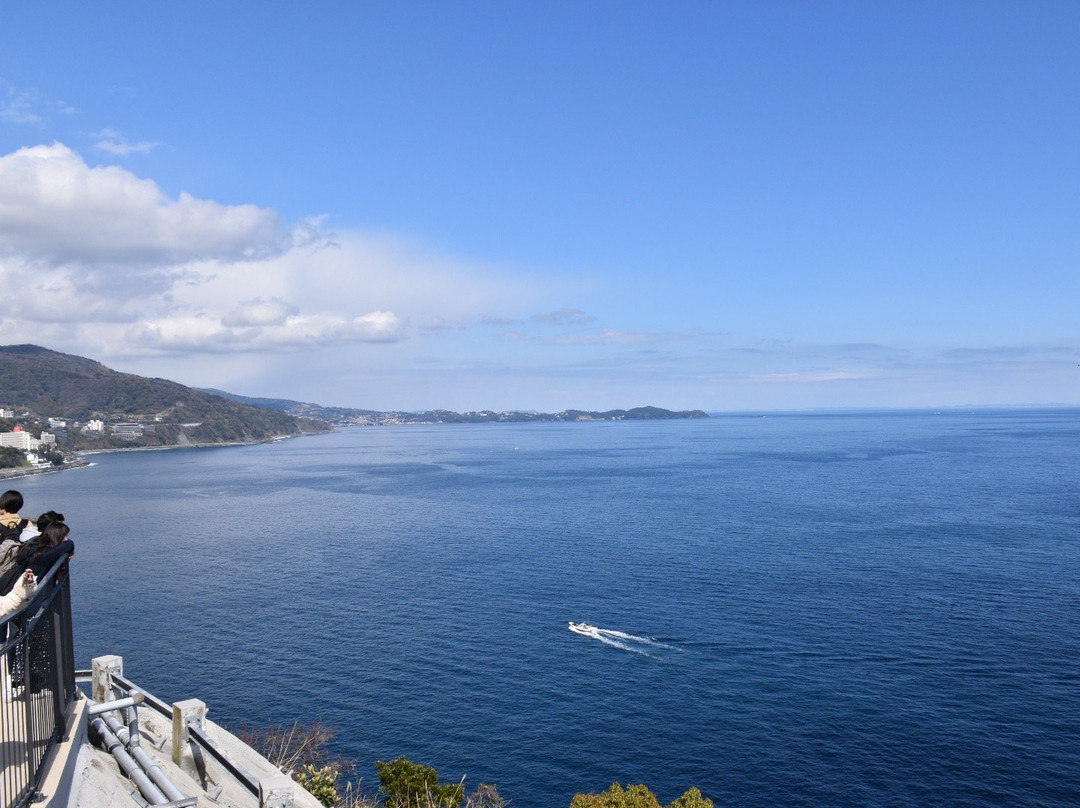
(39, 384)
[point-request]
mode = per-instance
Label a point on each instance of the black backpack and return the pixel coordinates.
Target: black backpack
(12, 572)
(12, 533)
(12, 559)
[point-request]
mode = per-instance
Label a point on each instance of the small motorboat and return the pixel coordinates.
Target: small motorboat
(583, 628)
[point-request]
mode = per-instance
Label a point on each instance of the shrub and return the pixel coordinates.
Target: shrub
(321, 783)
(412, 785)
(485, 796)
(692, 799)
(10, 457)
(638, 796)
(293, 748)
(303, 753)
(617, 797)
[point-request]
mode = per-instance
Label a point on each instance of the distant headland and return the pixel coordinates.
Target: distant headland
(345, 416)
(56, 406)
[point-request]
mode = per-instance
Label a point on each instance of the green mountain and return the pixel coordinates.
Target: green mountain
(39, 384)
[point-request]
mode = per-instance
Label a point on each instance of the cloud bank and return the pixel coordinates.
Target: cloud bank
(55, 210)
(97, 260)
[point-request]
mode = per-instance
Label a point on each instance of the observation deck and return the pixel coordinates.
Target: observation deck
(114, 744)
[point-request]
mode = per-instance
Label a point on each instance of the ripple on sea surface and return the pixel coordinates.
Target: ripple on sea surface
(857, 610)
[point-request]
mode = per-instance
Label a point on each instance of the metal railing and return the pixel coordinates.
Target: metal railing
(37, 685)
(199, 742)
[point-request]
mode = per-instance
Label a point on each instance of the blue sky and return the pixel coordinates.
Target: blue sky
(466, 205)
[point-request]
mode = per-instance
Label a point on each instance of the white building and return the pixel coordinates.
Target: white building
(19, 440)
(95, 425)
(37, 461)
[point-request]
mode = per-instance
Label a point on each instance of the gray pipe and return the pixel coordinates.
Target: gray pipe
(134, 740)
(150, 792)
(133, 718)
(97, 708)
(145, 761)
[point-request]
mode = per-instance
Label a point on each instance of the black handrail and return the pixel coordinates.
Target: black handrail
(149, 699)
(197, 736)
(37, 684)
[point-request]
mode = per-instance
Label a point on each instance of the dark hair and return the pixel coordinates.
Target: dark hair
(11, 501)
(53, 534)
(47, 519)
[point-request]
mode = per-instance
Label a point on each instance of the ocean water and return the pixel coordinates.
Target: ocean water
(796, 610)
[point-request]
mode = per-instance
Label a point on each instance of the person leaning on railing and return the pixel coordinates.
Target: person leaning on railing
(41, 552)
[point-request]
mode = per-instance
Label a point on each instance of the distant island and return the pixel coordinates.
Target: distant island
(345, 416)
(55, 406)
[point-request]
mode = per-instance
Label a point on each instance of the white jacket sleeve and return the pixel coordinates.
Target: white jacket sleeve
(22, 590)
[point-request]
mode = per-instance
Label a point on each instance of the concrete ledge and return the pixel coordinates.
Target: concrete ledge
(61, 761)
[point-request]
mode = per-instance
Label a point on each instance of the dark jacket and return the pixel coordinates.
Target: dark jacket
(44, 561)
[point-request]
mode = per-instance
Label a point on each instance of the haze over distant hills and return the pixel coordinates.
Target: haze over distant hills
(346, 416)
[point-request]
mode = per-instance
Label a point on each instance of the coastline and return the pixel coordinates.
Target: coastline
(211, 445)
(19, 472)
(91, 452)
(81, 462)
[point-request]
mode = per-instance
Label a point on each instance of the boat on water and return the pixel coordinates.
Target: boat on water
(583, 628)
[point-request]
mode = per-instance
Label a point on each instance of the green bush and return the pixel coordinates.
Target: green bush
(411, 785)
(321, 783)
(638, 796)
(10, 457)
(692, 799)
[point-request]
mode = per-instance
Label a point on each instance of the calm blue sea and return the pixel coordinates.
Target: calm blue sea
(797, 610)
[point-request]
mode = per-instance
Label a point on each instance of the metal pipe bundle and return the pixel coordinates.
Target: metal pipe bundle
(151, 793)
(143, 758)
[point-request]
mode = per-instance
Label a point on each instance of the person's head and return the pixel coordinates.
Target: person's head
(11, 502)
(53, 534)
(47, 519)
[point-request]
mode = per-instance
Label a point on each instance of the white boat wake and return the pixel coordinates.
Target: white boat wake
(618, 639)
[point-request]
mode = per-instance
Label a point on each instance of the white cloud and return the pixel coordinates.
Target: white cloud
(258, 312)
(114, 142)
(19, 109)
(28, 107)
(55, 210)
(103, 263)
(36, 294)
(200, 334)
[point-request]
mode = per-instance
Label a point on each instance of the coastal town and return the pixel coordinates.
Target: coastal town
(30, 443)
(20, 450)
